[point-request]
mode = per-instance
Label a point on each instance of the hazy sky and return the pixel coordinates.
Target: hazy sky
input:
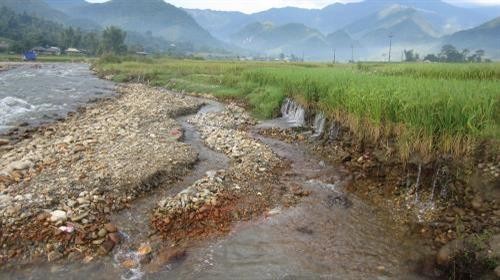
(249, 6)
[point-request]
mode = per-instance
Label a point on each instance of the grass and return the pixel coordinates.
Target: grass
(427, 109)
(445, 71)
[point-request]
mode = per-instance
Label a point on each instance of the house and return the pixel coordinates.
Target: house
(73, 51)
(47, 51)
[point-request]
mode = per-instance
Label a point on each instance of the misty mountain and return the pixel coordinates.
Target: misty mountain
(485, 36)
(65, 5)
(406, 25)
(443, 17)
(153, 17)
(292, 38)
(43, 10)
(36, 8)
(220, 23)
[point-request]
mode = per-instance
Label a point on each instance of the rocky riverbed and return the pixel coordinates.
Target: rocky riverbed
(59, 187)
(250, 186)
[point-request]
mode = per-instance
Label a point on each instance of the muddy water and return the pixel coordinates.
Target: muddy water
(329, 235)
(42, 92)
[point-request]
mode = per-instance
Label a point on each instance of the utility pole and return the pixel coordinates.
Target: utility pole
(334, 58)
(352, 53)
(390, 46)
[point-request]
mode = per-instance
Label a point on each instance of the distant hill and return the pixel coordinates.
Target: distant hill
(35, 8)
(219, 23)
(65, 5)
(292, 38)
(444, 18)
(485, 36)
(42, 9)
(407, 25)
(148, 16)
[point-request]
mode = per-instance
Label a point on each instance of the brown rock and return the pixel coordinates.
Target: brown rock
(448, 252)
(106, 247)
(477, 202)
(115, 237)
(54, 256)
(110, 227)
(4, 142)
(145, 249)
(165, 257)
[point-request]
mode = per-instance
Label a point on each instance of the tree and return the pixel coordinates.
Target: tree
(450, 54)
(113, 41)
(410, 55)
(91, 43)
(431, 57)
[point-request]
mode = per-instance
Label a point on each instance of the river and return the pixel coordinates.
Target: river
(40, 93)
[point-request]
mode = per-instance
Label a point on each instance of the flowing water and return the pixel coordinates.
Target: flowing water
(329, 235)
(39, 93)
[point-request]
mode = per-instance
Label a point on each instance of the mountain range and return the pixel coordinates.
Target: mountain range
(362, 28)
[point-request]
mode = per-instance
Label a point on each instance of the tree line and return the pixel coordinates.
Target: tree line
(449, 53)
(26, 31)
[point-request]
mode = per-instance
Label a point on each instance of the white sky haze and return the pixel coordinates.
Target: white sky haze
(251, 6)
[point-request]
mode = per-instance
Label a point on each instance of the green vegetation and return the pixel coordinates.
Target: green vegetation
(450, 113)
(23, 32)
(445, 71)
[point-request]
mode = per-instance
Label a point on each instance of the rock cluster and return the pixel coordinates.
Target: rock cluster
(250, 160)
(73, 173)
(223, 132)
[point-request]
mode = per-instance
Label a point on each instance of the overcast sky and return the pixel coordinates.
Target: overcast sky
(250, 6)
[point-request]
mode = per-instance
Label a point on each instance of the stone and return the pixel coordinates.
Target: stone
(4, 142)
(497, 271)
(106, 247)
(477, 202)
(54, 256)
(102, 232)
(129, 264)
(145, 249)
(448, 251)
(58, 216)
(115, 237)
(110, 227)
(495, 246)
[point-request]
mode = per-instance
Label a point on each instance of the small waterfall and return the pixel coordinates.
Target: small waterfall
(293, 113)
(418, 182)
(334, 132)
(319, 125)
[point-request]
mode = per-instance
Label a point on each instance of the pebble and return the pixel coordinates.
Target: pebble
(110, 227)
(115, 237)
(106, 247)
(54, 256)
(58, 216)
(448, 251)
(102, 232)
(4, 142)
(145, 249)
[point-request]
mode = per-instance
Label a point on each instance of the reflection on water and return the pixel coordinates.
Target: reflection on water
(38, 93)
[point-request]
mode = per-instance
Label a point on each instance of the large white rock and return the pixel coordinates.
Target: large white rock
(58, 216)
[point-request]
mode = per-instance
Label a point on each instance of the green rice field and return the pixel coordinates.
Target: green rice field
(425, 109)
